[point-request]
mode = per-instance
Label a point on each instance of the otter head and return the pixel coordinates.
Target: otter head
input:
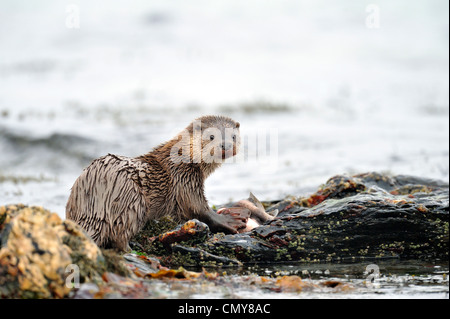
(216, 137)
(208, 139)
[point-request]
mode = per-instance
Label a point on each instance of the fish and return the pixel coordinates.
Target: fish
(258, 214)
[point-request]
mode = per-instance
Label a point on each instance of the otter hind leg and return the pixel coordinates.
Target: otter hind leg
(127, 214)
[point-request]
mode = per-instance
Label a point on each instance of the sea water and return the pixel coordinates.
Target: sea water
(334, 88)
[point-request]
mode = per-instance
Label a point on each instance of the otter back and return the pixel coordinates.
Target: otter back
(107, 201)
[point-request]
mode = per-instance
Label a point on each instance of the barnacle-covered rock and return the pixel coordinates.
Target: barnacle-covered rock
(368, 215)
(364, 216)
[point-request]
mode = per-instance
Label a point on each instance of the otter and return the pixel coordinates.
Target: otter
(115, 195)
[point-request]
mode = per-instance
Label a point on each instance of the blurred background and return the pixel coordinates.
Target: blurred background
(347, 86)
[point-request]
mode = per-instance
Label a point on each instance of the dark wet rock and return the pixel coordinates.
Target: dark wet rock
(350, 217)
(192, 256)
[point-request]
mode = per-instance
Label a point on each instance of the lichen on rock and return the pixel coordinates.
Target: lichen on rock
(33, 258)
(36, 249)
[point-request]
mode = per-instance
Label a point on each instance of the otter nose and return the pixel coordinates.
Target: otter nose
(227, 146)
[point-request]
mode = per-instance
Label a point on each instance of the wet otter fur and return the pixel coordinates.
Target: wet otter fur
(115, 195)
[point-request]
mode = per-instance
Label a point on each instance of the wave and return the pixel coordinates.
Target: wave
(53, 141)
(21, 147)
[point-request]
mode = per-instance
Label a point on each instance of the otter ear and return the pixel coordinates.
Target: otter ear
(238, 124)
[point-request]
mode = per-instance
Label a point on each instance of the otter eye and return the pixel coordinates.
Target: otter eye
(234, 137)
(211, 137)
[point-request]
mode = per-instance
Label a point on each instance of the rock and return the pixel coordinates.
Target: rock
(42, 256)
(191, 256)
(142, 265)
(364, 216)
(193, 231)
(350, 217)
(32, 258)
